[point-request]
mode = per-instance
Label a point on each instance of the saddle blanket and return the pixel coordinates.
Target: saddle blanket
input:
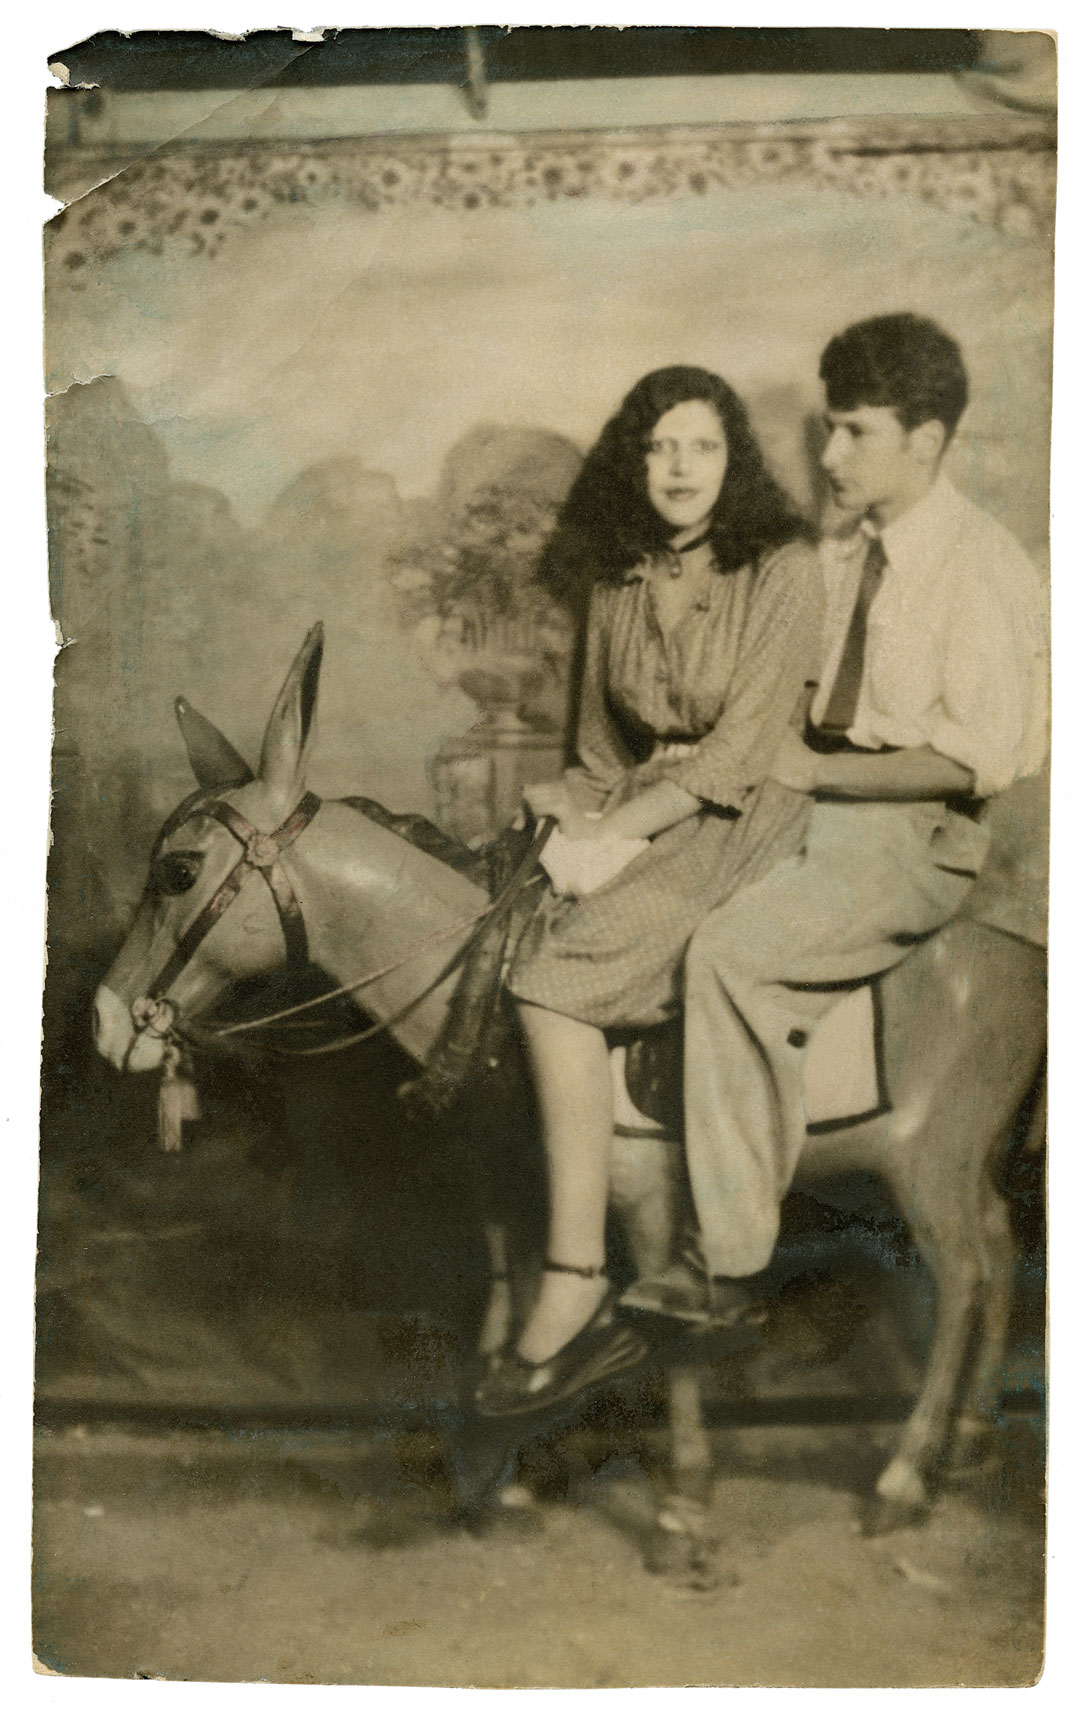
(843, 1075)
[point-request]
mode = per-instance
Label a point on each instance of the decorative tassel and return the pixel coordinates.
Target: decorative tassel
(178, 1101)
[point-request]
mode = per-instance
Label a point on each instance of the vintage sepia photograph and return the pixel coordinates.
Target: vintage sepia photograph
(543, 1117)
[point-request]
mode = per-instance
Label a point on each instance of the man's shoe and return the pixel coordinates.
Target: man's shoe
(685, 1291)
(604, 1349)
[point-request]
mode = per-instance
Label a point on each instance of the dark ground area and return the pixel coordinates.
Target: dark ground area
(330, 1559)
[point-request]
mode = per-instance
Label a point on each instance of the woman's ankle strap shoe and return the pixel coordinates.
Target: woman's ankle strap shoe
(603, 1350)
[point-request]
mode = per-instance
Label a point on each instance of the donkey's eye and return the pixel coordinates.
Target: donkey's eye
(174, 874)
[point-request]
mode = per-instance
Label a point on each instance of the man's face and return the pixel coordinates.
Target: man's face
(870, 461)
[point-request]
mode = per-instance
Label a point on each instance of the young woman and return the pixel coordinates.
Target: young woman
(703, 631)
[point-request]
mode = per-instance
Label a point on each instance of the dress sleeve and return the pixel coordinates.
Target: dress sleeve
(604, 759)
(779, 654)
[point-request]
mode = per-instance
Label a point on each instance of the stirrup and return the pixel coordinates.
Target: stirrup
(686, 1291)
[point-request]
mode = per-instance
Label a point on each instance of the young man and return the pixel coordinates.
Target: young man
(930, 700)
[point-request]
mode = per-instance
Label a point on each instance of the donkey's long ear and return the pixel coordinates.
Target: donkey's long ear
(289, 731)
(216, 764)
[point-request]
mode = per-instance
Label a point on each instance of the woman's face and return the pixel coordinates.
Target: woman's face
(685, 460)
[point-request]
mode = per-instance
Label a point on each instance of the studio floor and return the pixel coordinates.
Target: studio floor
(325, 1557)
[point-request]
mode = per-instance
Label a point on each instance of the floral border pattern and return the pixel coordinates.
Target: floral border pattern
(996, 169)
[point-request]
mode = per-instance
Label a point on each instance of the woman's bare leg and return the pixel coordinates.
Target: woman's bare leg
(572, 1074)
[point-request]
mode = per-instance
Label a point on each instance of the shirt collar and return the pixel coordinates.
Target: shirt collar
(917, 533)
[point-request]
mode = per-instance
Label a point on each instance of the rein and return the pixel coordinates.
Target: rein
(476, 924)
(155, 1014)
(207, 1037)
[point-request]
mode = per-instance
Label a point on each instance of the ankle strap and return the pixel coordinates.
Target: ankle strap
(576, 1270)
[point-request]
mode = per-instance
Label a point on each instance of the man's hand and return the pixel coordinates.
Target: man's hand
(795, 765)
(908, 773)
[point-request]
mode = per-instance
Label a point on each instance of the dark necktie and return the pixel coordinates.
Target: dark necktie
(840, 710)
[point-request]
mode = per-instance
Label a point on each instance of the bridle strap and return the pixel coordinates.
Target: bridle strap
(476, 925)
(261, 854)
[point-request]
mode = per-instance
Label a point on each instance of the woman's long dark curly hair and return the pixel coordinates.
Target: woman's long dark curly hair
(607, 523)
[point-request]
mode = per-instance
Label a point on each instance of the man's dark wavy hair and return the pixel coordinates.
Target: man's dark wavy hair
(903, 361)
(607, 523)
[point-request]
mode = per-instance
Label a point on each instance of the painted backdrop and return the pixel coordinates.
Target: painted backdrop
(352, 381)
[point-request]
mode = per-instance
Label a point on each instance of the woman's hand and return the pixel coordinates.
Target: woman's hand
(577, 867)
(552, 800)
(547, 799)
(580, 826)
(795, 765)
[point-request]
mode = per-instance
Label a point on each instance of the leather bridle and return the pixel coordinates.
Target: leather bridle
(156, 1015)
(155, 1012)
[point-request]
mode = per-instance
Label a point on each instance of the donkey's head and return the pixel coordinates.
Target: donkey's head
(219, 905)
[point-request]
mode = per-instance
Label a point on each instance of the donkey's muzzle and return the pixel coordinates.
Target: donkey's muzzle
(114, 1034)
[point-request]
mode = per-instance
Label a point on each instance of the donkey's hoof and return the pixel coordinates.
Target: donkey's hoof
(686, 1561)
(480, 1462)
(881, 1516)
(496, 1522)
(515, 1496)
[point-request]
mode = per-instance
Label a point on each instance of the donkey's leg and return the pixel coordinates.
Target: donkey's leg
(966, 1017)
(498, 1321)
(512, 1285)
(648, 1193)
(683, 1543)
(977, 1417)
(950, 1251)
(483, 1458)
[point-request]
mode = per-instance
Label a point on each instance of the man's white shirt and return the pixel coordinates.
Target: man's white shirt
(956, 651)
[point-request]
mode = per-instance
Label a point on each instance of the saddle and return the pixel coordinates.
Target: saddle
(475, 1071)
(479, 1049)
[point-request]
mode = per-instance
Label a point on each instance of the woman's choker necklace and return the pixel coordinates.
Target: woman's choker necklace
(675, 570)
